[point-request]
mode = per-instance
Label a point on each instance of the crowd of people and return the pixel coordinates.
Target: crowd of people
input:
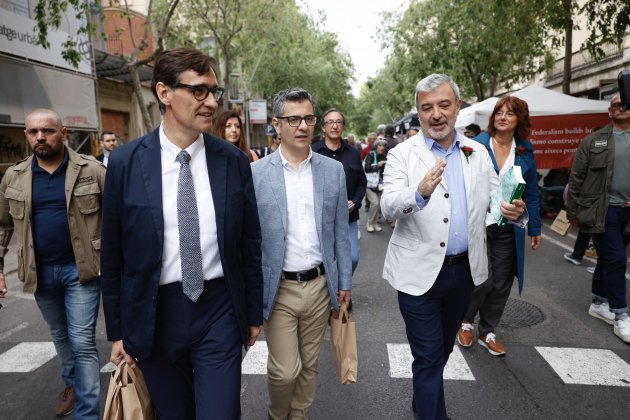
(196, 245)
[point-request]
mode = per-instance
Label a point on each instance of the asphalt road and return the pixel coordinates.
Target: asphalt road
(567, 365)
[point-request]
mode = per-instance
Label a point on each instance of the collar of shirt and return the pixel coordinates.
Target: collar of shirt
(620, 132)
(434, 145)
(172, 151)
(286, 164)
(35, 164)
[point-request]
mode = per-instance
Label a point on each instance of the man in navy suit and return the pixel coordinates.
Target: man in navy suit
(182, 279)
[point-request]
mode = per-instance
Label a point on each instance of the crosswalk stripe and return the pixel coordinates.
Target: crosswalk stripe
(587, 366)
(400, 360)
(255, 362)
(26, 357)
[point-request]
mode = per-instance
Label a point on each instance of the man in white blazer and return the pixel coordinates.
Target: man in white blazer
(303, 211)
(437, 187)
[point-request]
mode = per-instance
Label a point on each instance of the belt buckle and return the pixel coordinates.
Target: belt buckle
(298, 277)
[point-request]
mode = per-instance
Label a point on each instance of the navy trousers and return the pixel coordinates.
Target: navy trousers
(609, 279)
(194, 370)
(432, 321)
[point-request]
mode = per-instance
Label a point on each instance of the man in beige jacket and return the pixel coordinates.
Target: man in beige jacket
(53, 201)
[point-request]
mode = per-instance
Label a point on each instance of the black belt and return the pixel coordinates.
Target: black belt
(456, 259)
(307, 275)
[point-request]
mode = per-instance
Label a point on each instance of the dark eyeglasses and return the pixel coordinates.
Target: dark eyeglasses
(201, 92)
(295, 121)
(617, 106)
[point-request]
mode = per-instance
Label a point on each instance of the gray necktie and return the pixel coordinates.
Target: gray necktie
(188, 220)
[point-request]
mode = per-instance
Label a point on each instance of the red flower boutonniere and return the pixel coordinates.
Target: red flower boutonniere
(467, 151)
(519, 150)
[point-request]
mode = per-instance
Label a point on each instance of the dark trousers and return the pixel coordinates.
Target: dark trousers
(194, 370)
(490, 297)
(609, 279)
(581, 244)
(431, 322)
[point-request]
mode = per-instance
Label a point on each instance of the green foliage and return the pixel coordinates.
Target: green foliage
(608, 21)
(48, 15)
(483, 45)
(273, 46)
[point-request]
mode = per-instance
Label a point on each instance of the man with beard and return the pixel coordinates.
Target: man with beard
(109, 143)
(333, 146)
(437, 187)
(53, 200)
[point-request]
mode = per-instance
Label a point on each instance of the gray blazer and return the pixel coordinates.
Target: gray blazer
(331, 217)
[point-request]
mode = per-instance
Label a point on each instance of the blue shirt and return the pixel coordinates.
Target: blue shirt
(454, 178)
(51, 234)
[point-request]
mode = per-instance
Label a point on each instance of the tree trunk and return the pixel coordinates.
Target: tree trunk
(225, 75)
(147, 121)
(568, 46)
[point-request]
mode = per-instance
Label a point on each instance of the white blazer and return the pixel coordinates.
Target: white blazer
(417, 247)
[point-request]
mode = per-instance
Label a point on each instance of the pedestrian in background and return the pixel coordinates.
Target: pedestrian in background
(229, 126)
(108, 143)
(375, 163)
(437, 187)
(334, 147)
(182, 277)
(599, 202)
(506, 142)
(52, 200)
(303, 206)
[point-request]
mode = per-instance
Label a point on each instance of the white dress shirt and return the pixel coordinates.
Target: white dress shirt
(171, 262)
(303, 249)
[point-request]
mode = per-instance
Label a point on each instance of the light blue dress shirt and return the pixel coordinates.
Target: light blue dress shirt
(454, 178)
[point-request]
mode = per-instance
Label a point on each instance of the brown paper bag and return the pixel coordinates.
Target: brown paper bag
(343, 338)
(561, 224)
(128, 396)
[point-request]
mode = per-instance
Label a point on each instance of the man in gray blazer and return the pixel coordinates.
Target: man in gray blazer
(303, 211)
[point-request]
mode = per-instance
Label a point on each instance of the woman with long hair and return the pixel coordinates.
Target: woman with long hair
(506, 142)
(229, 126)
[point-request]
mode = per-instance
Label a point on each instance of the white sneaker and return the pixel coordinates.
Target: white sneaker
(569, 257)
(378, 227)
(369, 228)
(590, 270)
(602, 311)
(622, 329)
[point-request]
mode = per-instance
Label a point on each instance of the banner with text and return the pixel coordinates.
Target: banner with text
(18, 37)
(556, 138)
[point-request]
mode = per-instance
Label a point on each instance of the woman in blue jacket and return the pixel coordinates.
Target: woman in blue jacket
(506, 142)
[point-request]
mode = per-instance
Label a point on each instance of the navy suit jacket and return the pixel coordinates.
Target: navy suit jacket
(133, 235)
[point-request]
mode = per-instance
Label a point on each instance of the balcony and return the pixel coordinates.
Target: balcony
(582, 60)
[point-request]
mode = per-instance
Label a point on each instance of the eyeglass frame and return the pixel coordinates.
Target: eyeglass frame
(331, 123)
(617, 107)
(300, 120)
(214, 90)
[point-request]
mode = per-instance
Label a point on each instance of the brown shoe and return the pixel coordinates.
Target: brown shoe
(493, 345)
(465, 335)
(65, 405)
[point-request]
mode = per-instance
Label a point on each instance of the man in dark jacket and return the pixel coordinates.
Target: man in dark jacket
(333, 146)
(599, 201)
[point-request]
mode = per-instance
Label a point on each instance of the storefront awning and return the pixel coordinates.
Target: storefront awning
(115, 67)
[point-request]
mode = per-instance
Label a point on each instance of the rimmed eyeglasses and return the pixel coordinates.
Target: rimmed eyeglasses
(201, 92)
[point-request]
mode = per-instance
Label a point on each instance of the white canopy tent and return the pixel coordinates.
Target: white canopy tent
(541, 101)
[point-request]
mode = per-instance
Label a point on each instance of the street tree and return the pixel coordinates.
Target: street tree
(483, 45)
(272, 45)
(48, 14)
